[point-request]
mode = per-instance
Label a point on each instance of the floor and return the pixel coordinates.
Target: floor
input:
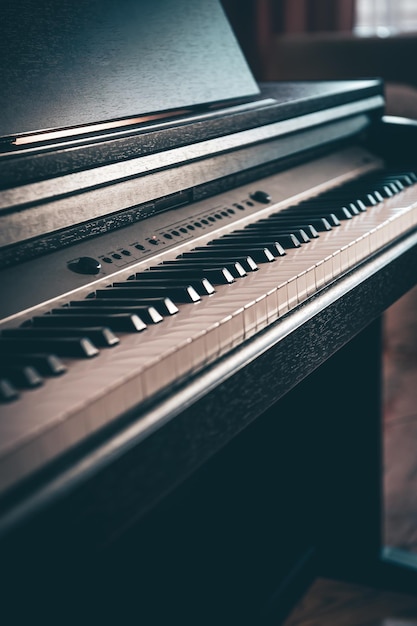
(332, 603)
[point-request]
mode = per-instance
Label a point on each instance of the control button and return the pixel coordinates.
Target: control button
(126, 252)
(139, 246)
(261, 196)
(116, 255)
(85, 265)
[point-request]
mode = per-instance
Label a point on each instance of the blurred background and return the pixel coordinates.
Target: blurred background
(332, 39)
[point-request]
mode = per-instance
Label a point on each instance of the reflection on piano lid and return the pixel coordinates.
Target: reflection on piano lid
(106, 61)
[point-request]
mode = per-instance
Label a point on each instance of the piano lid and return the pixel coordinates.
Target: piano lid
(69, 64)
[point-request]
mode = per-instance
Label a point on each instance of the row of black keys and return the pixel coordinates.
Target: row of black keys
(79, 329)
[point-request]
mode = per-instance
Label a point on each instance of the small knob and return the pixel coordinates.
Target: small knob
(85, 265)
(261, 196)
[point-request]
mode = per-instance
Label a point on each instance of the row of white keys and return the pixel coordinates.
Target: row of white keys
(48, 420)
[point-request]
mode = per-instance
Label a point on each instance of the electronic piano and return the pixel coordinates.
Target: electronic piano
(191, 291)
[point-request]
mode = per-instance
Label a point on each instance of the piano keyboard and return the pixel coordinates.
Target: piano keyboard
(70, 368)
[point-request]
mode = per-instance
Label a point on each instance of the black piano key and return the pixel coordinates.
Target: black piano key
(164, 306)
(355, 207)
(101, 336)
(22, 376)
(370, 199)
(353, 198)
(303, 232)
(315, 225)
(46, 364)
(247, 262)
(180, 295)
(236, 269)
(304, 214)
(342, 213)
(275, 242)
(382, 183)
(202, 286)
(123, 322)
(380, 187)
(388, 191)
(259, 255)
(398, 183)
(394, 185)
(406, 178)
(359, 204)
(278, 242)
(8, 393)
(285, 237)
(216, 276)
(412, 176)
(72, 347)
(147, 314)
(363, 200)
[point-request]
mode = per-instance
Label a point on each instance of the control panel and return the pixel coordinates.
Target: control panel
(150, 241)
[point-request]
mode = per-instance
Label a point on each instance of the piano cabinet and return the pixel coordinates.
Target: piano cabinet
(265, 474)
(215, 492)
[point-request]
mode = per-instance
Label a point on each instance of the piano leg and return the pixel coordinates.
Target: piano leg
(350, 459)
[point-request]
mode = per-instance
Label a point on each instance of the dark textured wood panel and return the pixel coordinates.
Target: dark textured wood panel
(277, 102)
(114, 59)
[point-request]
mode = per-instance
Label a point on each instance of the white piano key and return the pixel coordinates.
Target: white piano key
(319, 274)
(344, 258)
(261, 311)
(336, 269)
(212, 343)
(159, 374)
(328, 268)
(249, 316)
(292, 293)
(311, 286)
(272, 306)
(282, 291)
(301, 282)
